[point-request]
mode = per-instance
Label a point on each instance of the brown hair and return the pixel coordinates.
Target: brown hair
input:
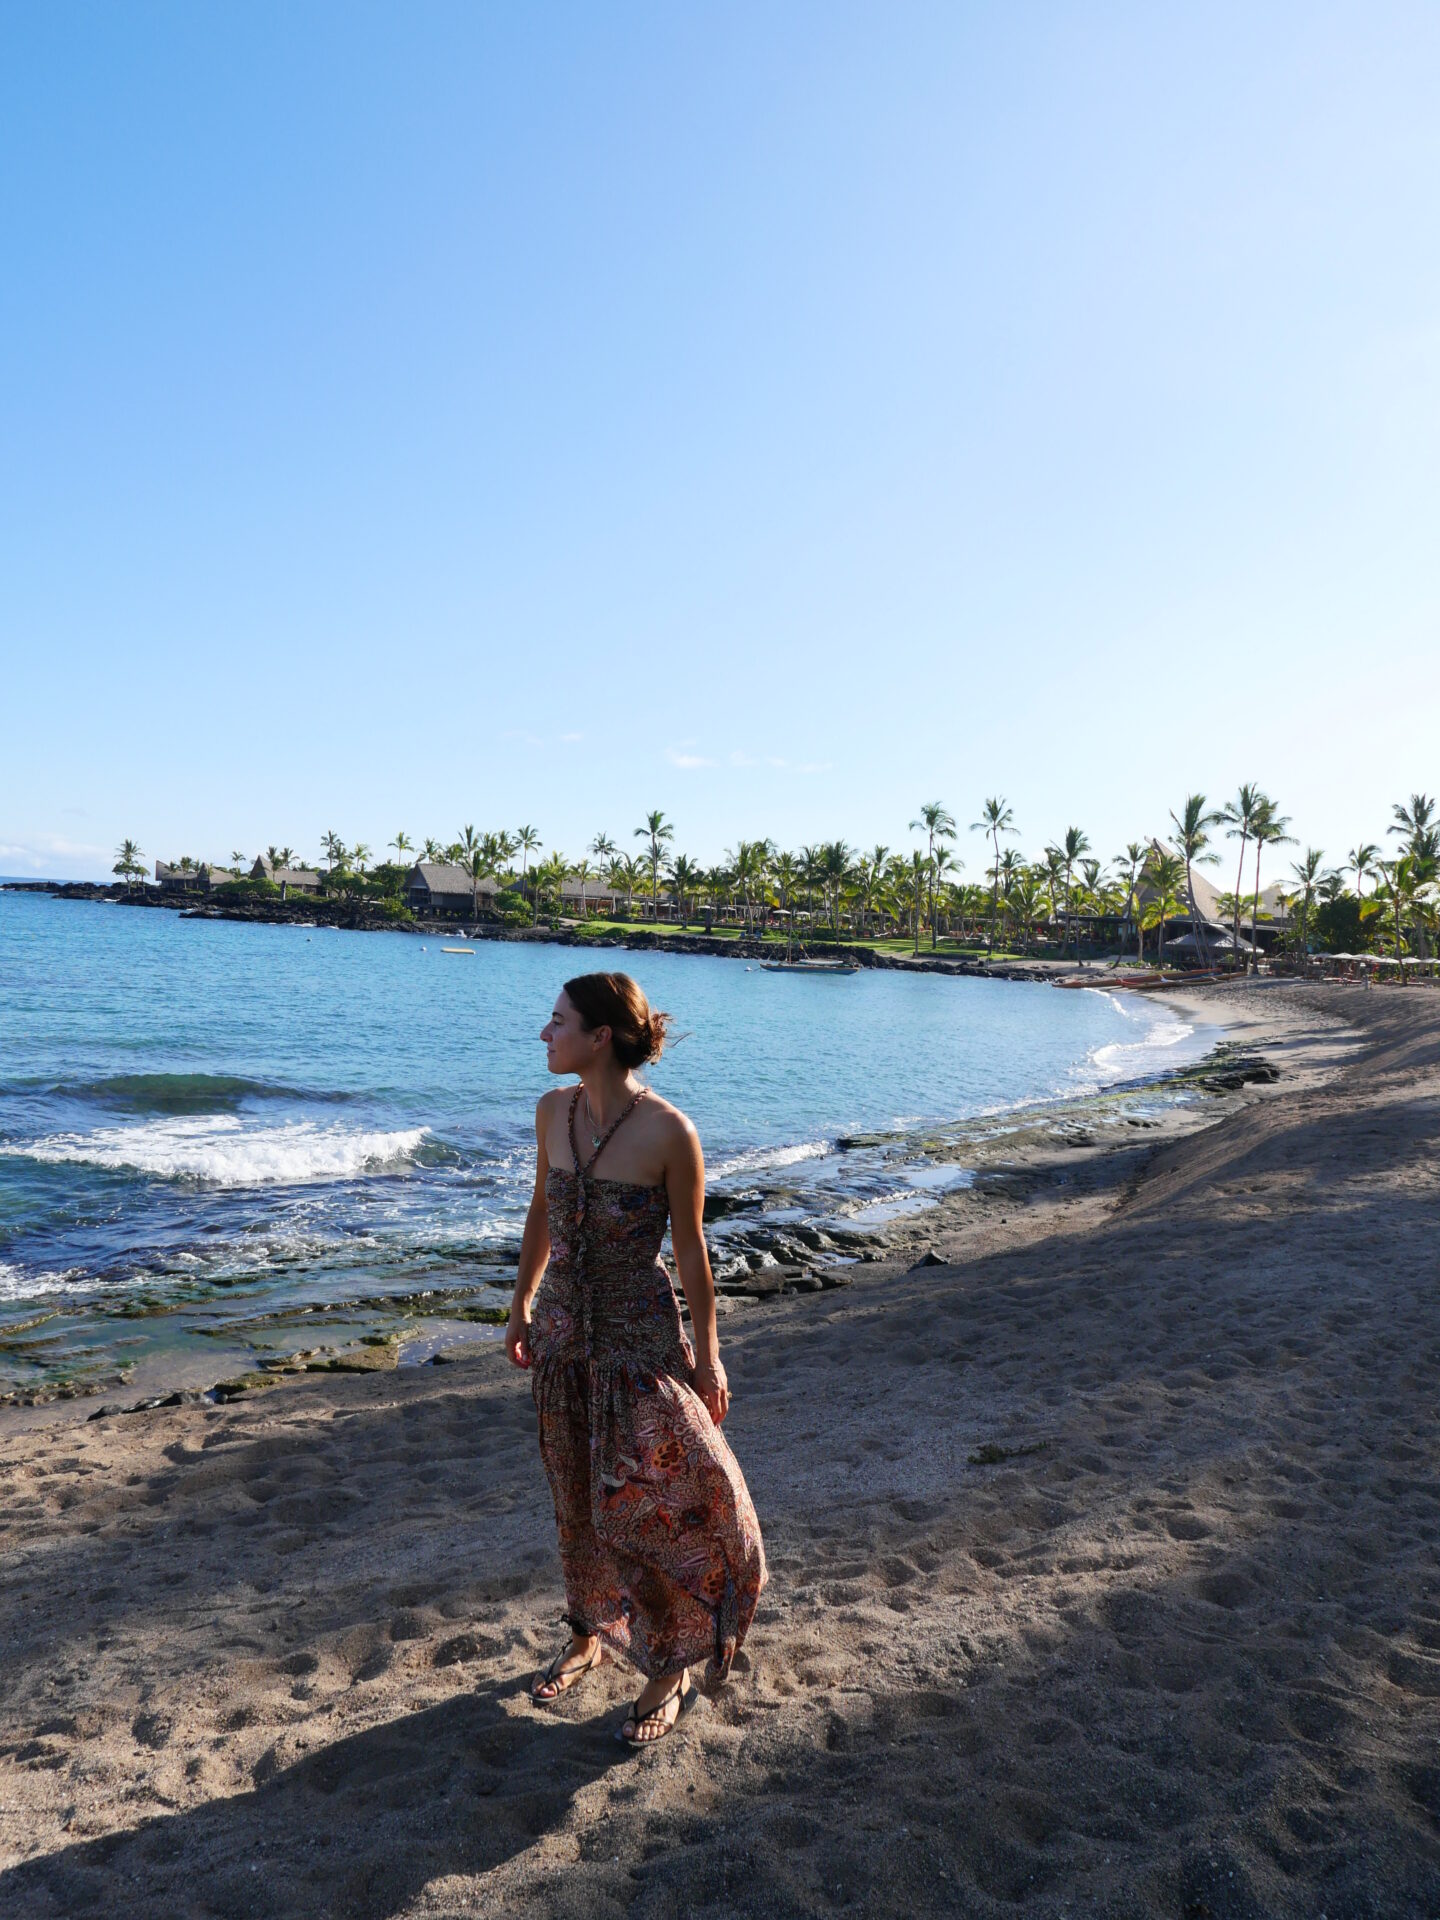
(616, 1001)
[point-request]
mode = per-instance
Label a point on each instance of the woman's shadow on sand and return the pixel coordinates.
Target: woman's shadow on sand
(358, 1828)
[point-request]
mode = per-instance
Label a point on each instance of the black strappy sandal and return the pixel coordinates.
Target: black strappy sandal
(563, 1678)
(681, 1691)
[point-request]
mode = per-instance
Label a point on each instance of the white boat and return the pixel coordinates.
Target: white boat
(469, 950)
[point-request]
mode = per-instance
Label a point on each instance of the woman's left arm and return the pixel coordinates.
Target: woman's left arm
(685, 1185)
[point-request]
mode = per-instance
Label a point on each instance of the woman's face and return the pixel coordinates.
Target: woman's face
(568, 1047)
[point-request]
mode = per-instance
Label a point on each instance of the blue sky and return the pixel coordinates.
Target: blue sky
(780, 415)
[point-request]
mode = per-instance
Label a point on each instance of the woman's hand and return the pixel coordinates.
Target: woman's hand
(713, 1388)
(517, 1336)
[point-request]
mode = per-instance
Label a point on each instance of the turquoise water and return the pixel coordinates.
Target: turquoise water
(205, 1123)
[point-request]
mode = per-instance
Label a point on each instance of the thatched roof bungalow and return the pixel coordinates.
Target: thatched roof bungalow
(288, 879)
(195, 879)
(447, 892)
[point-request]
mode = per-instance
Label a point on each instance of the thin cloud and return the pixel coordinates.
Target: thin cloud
(39, 855)
(687, 760)
(778, 763)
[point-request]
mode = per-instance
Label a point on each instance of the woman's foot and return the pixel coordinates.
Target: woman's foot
(569, 1667)
(659, 1705)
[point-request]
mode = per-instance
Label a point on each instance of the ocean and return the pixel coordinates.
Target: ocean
(290, 1139)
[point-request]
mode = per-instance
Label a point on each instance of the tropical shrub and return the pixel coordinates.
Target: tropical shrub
(1336, 926)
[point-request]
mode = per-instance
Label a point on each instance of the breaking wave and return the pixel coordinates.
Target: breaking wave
(768, 1159)
(222, 1150)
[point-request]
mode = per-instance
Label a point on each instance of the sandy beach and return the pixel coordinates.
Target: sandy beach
(1105, 1575)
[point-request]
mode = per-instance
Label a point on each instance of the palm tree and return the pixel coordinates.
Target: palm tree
(996, 818)
(812, 875)
(1414, 821)
(1163, 873)
(748, 862)
(945, 862)
(583, 872)
(1396, 890)
(604, 848)
(685, 877)
(918, 878)
(333, 847)
(1307, 872)
(128, 856)
(659, 832)
(836, 867)
(626, 874)
(868, 871)
(403, 844)
(1011, 864)
(549, 876)
(785, 871)
(1025, 896)
(1422, 842)
(1240, 814)
(527, 841)
(1131, 859)
(939, 825)
(1054, 879)
(1360, 861)
(469, 853)
(1192, 826)
(1267, 830)
(1094, 892)
(432, 849)
(1075, 845)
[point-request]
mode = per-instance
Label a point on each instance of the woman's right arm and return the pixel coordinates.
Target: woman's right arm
(534, 1254)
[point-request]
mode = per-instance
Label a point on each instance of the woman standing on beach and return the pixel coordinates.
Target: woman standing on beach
(659, 1543)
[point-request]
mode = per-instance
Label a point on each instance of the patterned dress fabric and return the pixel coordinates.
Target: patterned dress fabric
(659, 1542)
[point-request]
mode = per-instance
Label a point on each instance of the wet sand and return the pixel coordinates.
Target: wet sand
(1105, 1575)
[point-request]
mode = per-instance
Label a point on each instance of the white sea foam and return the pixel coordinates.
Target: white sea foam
(15, 1285)
(768, 1159)
(222, 1150)
(1159, 1032)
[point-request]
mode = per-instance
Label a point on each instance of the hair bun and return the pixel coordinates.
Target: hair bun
(614, 1000)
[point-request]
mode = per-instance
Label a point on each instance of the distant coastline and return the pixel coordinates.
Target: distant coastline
(359, 916)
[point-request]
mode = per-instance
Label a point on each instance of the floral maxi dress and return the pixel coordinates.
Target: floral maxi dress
(659, 1542)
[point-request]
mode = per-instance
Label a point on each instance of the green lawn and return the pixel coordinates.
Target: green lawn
(817, 943)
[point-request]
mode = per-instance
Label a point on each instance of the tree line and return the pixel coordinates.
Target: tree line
(920, 892)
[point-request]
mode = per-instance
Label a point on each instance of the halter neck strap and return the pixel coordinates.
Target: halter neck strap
(624, 1114)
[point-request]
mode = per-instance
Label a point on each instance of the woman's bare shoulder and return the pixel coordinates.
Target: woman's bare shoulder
(673, 1126)
(556, 1100)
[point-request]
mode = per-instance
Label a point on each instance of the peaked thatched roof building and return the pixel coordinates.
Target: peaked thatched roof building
(288, 879)
(433, 888)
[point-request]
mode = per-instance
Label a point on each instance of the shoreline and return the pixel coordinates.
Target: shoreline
(770, 1241)
(348, 917)
(1103, 1579)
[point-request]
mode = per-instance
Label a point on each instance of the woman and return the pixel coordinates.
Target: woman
(659, 1542)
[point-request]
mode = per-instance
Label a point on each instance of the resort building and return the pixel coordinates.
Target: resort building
(288, 879)
(447, 892)
(1209, 932)
(586, 896)
(187, 877)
